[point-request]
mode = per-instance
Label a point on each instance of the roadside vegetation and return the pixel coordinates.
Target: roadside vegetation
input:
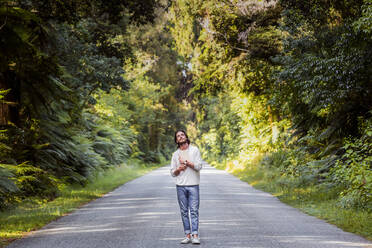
(34, 213)
(319, 200)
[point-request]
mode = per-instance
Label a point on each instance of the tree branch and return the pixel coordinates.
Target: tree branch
(6, 18)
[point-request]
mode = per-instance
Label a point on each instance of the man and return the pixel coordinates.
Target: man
(185, 168)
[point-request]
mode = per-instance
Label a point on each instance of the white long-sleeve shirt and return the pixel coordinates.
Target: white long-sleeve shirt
(189, 176)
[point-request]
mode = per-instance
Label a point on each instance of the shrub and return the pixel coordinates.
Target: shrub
(354, 170)
(33, 181)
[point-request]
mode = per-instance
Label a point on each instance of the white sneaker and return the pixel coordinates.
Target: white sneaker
(195, 241)
(186, 240)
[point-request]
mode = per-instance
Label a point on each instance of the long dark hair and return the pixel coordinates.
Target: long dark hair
(175, 137)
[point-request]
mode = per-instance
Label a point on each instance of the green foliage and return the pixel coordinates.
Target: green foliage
(33, 181)
(7, 186)
(154, 100)
(25, 180)
(55, 56)
(324, 79)
(364, 23)
(354, 172)
(219, 39)
(285, 81)
(112, 145)
(219, 127)
(73, 10)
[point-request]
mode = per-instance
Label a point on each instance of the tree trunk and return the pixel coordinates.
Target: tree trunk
(153, 137)
(274, 128)
(9, 111)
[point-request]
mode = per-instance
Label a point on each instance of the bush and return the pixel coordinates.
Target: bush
(7, 186)
(33, 181)
(354, 170)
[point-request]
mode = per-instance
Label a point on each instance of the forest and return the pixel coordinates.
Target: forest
(280, 88)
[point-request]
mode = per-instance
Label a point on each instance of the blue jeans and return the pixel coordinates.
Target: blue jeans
(188, 199)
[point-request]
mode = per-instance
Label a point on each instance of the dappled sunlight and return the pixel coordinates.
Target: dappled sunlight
(213, 172)
(119, 203)
(261, 205)
(224, 224)
(152, 213)
(177, 239)
(246, 194)
(168, 187)
(111, 223)
(135, 199)
(234, 165)
(317, 240)
(268, 241)
(353, 244)
(77, 229)
(169, 224)
(108, 208)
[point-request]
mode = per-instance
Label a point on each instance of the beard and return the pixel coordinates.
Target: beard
(182, 142)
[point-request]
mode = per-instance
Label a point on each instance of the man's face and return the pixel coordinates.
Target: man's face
(181, 137)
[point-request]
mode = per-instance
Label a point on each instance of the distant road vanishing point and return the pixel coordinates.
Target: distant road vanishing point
(144, 213)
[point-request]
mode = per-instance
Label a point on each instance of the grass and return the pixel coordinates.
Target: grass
(316, 200)
(35, 213)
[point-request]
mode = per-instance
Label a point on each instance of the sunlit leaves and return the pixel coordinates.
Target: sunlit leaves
(364, 23)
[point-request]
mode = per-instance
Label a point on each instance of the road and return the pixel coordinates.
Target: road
(145, 213)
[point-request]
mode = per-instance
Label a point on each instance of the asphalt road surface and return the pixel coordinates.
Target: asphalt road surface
(145, 213)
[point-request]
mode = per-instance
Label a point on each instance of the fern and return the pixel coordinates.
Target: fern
(7, 185)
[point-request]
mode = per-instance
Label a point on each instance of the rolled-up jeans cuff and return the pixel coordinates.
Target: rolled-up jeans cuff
(194, 232)
(187, 232)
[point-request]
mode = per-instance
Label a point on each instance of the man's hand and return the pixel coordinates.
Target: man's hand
(182, 167)
(182, 162)
(187, 163)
